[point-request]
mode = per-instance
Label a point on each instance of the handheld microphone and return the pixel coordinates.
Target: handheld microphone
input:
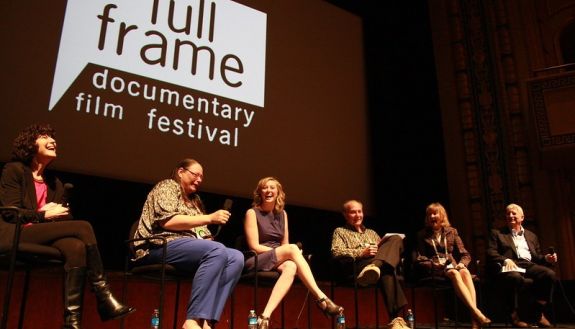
(228, 205)
(68, 187)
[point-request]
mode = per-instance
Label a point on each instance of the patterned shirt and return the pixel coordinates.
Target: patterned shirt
(348, 242)
(164, 202)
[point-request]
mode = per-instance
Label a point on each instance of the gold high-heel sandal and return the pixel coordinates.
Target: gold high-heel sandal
(330, 307)
(263, 322)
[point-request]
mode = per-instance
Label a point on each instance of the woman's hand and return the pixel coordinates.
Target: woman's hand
(220, 217)
(54, 210)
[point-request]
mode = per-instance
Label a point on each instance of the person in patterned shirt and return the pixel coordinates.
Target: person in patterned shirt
(377, 257)
(173, 209)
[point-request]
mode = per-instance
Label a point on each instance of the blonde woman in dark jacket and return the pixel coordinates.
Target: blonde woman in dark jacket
(440, 251)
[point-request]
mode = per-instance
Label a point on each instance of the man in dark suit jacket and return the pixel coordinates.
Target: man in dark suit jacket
(516, 251)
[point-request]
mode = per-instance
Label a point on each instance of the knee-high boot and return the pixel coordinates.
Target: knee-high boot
(73, 297)
(108, 307)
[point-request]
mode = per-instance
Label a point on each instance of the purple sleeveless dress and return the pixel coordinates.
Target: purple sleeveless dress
(271, 228)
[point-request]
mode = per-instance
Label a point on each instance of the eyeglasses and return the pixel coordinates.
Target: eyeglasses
(196, 175)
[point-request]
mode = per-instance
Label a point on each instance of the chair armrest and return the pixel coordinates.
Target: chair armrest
(249, 253)
(148, 239)
(163, 244)
(11, 214)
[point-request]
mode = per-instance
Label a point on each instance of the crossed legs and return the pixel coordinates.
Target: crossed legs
(292, 263)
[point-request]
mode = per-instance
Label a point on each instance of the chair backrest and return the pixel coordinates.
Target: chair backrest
(151, 271)
(131, 235)
(241, 244)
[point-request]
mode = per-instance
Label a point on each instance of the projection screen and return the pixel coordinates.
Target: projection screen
(249, 88)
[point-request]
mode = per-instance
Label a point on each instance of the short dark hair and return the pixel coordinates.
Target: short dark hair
(24, 146)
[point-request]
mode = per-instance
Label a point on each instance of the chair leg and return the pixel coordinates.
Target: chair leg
(162, 292)
(177, 304)
(435, 310)
(551, 305)
(124, 297)
(7, 295)
(125, 286)
(256, 295)
(413, 303)
(11, 274)
(356, 306)
(376, 307)
(232, 309)
(25, 290)
(332, 296)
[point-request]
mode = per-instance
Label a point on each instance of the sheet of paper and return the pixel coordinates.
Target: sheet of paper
(518, 269)
(389, 235)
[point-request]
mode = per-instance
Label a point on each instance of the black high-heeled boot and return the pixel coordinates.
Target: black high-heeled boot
(73, 297)
(108, 307)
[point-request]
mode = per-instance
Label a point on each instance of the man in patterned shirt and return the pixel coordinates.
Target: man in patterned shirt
(376, 257)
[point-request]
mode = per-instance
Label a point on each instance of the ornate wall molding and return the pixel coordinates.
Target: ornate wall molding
(548, 109)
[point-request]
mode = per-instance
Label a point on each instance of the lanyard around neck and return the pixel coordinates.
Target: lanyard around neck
(435, 247)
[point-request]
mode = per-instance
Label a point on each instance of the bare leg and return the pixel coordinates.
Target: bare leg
(293, 253)
(468, 281)
(464, 293)
(288, 270)
(192, 324)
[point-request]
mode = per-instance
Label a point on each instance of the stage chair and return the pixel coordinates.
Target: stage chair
(436, 284)
(339, 279)
(22, 256)
(160, 272)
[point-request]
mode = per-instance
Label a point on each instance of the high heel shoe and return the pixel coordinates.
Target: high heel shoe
(517, 322)
(330, 307)
(263, 322)
(482, 320)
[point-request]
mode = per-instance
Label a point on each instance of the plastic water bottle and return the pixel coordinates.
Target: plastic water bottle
(340, 323)
(155, 321)
(410, 318)
(252, 320)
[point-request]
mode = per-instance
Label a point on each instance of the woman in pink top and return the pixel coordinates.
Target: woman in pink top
(27, 184)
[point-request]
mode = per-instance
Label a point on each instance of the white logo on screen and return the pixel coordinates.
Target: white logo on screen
(214, 46)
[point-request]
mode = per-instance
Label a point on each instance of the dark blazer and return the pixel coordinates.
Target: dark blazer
(501, 247)
(17, 189)
(455, 247)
